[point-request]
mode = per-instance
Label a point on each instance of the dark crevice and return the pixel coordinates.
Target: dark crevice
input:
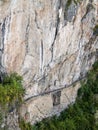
(26, 36)
(9, 23)
(88, 9)
(70, 8)
(5, 24)
(56, 32)
(88, 46)
(42, 50)
(41, 56)
(3, 35)
(36, 20)
(26, 41)
(3, 30)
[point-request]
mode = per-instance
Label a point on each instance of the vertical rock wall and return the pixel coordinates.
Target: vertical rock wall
(51, 43)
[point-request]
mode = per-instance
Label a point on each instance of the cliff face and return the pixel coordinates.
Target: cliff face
(51, 43)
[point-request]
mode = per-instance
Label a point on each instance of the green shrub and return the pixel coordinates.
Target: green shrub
(11, 93)
(25, 126)
(95, 30)
(11, 90)
(69, 2)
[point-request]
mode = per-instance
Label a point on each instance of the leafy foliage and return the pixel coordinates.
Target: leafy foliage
(95, 30)
(25, 126)
(69, 2)
(11, 90)
(11, 93)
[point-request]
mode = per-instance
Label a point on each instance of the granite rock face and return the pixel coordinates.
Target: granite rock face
(51, 43)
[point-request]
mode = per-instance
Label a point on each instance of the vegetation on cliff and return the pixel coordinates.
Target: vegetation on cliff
(78, 116)
(11, 94)
(70, 1)
(95, 30)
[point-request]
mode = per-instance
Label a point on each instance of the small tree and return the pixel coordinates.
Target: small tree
(11, 94)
